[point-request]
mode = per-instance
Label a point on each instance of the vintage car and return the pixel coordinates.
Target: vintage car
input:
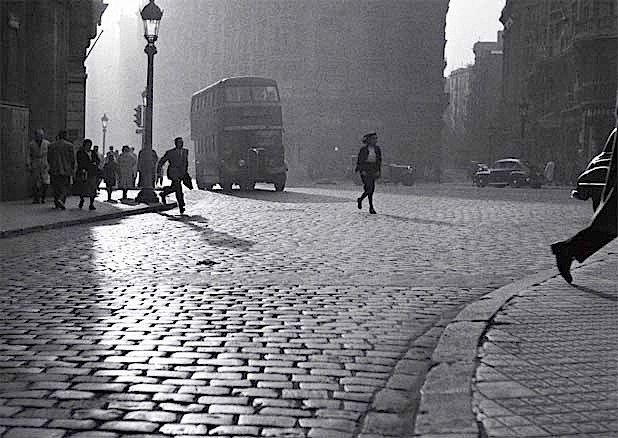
(509, 172)
(591, 182)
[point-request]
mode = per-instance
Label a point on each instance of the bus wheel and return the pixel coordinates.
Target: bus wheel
(280, 183)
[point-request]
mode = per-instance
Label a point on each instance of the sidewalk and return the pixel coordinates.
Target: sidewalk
(22, 217)
(535, 358)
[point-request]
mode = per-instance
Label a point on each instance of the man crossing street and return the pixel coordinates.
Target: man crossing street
(177, 170)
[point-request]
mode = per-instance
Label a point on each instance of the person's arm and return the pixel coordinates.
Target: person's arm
(358, 161)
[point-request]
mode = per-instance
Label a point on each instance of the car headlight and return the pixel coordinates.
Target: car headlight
(241, 163)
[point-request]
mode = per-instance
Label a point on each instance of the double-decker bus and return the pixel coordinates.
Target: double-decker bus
(236, 126)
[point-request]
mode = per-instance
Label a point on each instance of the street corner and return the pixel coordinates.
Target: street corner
(21, 217)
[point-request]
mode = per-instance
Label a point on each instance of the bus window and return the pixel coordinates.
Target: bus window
(238, 94)
(264, 94)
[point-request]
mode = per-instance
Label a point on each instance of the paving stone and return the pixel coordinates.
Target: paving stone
(27, 432)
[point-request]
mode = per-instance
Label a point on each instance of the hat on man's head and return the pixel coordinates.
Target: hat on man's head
(368, 136)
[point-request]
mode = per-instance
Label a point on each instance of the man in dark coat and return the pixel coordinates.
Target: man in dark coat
(61, 160)
(177, 169)
(602, 230)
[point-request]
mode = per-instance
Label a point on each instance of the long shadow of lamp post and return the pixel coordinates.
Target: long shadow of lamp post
(151, 16)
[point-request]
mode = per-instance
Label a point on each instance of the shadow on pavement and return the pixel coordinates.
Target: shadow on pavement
(599, 294)
(417, 220)
(199, 224)
(286, 197)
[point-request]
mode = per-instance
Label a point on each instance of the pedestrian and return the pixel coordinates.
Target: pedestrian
(36, 163)
(147, 168)
(602, 230)
(134, 174)
(87, 173)
(96, 150)
(126, 164)
(110, 174)
(369, 164)
(177, 170)
(61, 159)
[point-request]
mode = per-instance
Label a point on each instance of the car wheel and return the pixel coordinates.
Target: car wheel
(515, 181)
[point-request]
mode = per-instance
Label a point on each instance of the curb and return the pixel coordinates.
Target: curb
(445, 410)
(84, 220)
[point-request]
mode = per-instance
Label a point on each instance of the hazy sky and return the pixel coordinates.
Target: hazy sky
(467, 22)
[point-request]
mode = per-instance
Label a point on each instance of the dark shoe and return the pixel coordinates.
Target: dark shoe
(163, 200)
(563, 260)
(181, 208)
(359, 203)
(81, 203)
(35, 201)
(42, 201)
(61, 205)
(92, 207)
(371, 210)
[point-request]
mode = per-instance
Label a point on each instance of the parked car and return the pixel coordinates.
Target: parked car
(590, 182)
(512, 172)
(398, 173)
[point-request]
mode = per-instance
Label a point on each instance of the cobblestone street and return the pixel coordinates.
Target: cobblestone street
(256, 314)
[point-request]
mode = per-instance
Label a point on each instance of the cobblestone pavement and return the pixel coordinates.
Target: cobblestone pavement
(259, 314)
(549, 363)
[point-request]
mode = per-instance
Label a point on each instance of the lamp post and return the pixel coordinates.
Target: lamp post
(151, 16)
(523, 119)
(104, 121)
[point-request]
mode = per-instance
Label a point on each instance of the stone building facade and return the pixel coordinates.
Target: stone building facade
(560, 79)
(483, 139)
(457, 117)
(344, 67)
(42, 77)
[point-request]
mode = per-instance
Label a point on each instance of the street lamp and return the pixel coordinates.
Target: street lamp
(151, 16)
(104, 121)
(523, 118)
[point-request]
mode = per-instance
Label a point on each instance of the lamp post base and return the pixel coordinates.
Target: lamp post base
(147, 196)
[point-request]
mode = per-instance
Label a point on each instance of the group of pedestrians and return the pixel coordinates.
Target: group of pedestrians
(57, 165)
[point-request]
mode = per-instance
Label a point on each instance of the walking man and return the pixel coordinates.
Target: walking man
(61, 161)
(38, 166)
(178, 159)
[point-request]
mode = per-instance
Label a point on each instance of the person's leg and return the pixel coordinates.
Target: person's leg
(35, 192)
(359, 201)
(81, 201)
(124, 193)
(371, 188)
(64, 182)
(91, 206)
(109, 192)
(53, 180)
(43, 193)
(179, 195)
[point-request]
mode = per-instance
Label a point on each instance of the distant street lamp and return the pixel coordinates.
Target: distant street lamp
(151, 16)
(523, 119)
(104, 121)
